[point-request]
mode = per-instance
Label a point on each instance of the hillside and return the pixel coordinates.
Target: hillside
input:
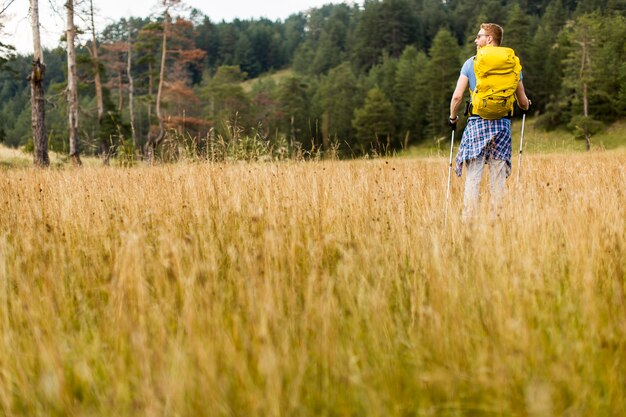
(536, 141)
(273, 77)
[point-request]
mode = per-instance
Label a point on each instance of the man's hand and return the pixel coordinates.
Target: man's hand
(527, 109)
(452, 122)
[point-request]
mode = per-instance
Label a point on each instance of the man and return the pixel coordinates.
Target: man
(484, 141)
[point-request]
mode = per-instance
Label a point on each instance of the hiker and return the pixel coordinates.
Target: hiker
(487, 136)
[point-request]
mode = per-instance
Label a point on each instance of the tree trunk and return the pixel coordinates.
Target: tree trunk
(38, 103)
(105, 142)
(162, 80)
(131, 88)
(154, 141)
(325, 131)
(150, 92)
(120, 88)
(72, 93)
(585, 65)
(586, 114)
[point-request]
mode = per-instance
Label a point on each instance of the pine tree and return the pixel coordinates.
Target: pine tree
(581, 40)
(419, 103)
(383, 76)
(146, 49)
(207, 39)
(433, 15)
(177, 73)
(442, 74)
(228, 37)
(326, 41)
(304, 55)
(294, 30)
(225, 98)
(293, 96)
(517, 31)
(494, 11)
(244, 55)
(388, 26)
(327, 56)
(542, 69)
(337, 97)
(331, 50)
(610, 61)
(374, 122)
(265, 111)
(405, 93)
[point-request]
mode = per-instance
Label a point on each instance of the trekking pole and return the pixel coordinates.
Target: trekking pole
(521, 144)
(445, 219)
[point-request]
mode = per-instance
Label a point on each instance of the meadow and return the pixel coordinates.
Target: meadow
(320, 288)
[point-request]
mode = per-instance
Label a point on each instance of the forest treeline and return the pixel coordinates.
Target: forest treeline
(371, 77)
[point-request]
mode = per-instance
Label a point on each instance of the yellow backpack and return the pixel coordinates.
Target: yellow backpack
(497, 72)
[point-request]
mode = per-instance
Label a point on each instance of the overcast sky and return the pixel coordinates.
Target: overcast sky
(18, 32)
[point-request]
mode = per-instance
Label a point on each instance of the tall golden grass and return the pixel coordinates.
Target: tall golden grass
(312, 289)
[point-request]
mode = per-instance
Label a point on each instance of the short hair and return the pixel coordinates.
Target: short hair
(494, 30)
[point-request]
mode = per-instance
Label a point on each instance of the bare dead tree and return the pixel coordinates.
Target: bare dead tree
(72, 91)
(131, 87)
(38, 103)
(105, 146)
(585, 66)
(155, 140)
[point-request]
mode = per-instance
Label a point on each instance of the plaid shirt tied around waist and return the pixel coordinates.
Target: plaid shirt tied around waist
(489, 138)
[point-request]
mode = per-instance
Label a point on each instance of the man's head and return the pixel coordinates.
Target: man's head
(489, 34)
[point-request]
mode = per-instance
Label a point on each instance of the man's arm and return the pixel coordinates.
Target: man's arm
(457, 97)
(520, 95)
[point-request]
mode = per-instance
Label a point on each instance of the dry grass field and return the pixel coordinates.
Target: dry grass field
(312, 289)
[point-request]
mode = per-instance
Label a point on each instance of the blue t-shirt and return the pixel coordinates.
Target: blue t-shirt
(468, 71)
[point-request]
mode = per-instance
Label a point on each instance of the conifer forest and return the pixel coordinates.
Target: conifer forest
(356, 78)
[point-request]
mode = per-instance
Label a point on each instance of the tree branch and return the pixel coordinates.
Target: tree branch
(6, 7)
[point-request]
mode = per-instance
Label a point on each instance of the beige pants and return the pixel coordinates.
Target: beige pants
(497, 179)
